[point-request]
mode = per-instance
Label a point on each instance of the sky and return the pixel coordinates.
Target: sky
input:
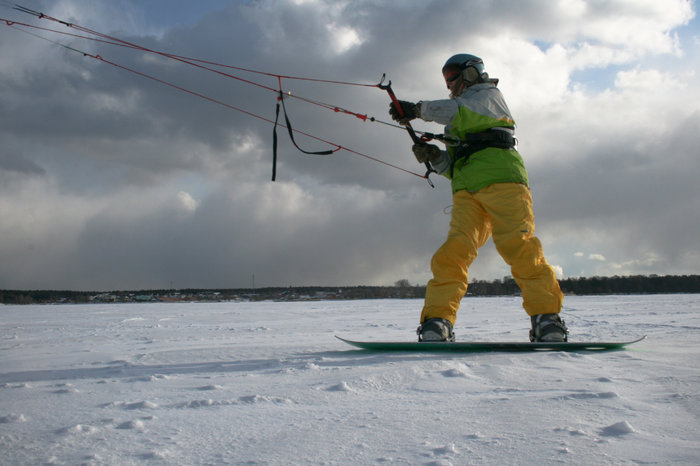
(109, 180)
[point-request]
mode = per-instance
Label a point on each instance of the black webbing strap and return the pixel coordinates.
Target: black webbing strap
(474, 142)
(274, 143)
(291, 136)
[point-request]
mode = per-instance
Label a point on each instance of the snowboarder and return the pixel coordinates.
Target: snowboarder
(491, 197)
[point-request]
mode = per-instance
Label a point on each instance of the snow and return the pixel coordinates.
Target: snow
(267, 383)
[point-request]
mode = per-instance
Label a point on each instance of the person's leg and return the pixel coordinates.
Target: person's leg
(469, 230)
(509, 205)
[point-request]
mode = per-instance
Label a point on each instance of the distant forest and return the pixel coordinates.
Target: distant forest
(637, 284)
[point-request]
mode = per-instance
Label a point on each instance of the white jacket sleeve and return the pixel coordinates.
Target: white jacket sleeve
(442, 112)
(443, 163)
(439, 111)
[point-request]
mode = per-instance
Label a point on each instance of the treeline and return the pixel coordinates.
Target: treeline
(43, 296)
(315, 293)
(638, 284)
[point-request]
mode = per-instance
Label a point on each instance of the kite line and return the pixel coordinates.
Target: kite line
(85, 33)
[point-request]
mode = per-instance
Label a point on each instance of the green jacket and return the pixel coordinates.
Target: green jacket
(479, 108)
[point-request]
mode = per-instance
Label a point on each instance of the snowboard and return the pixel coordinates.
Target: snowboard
(484, 346)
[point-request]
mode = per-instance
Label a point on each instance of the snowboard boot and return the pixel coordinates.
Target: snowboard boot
(548, 328)
(435, 330)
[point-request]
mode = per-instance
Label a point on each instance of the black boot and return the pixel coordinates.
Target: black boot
(435, 330)
(548, 328)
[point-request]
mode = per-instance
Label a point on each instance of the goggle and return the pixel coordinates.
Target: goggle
(451, 72)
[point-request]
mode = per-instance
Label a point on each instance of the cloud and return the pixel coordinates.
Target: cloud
(344, 38)
(558, 270)
(139, 185)
(187, 202)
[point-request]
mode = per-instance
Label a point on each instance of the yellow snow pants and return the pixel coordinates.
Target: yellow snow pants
(504, 211)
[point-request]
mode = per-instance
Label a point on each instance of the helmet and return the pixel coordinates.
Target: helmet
(462, 65)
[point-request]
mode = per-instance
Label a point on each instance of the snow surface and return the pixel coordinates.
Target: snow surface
(267, 383)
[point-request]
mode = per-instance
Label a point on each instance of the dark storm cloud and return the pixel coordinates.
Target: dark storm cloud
(136, 184)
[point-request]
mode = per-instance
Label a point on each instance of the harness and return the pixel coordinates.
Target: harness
(474, 142)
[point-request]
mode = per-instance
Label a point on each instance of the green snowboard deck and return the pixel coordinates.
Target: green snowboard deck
(484, 346)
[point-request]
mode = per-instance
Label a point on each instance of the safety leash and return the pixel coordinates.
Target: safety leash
(280, 100)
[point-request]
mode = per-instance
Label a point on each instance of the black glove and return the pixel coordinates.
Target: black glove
(410, 111)
(429, 152)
